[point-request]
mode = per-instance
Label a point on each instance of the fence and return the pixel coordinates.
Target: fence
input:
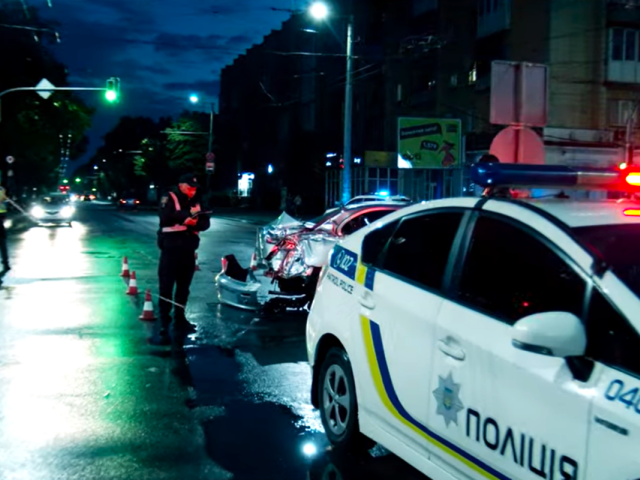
(417, 184)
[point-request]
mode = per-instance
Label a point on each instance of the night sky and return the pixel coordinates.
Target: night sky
(162, 50)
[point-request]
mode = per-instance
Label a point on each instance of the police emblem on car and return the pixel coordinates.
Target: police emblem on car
(447, 396)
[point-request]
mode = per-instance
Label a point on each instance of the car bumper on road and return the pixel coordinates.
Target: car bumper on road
(238, 294)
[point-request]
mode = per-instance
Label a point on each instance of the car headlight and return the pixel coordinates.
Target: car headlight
(37, 212)
(67, 212)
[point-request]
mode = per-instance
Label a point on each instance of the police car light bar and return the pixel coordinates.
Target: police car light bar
(552, 176)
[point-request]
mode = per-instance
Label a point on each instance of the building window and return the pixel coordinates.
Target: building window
(473, 75)
(630, 42)
(620, 111)
(623, 56)
(493, 16)
(617, 40)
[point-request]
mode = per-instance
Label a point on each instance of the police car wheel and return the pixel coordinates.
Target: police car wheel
(338, 402)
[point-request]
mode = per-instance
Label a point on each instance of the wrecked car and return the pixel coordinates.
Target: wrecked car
(291, 255)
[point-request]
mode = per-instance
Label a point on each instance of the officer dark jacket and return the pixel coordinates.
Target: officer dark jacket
(173, 233)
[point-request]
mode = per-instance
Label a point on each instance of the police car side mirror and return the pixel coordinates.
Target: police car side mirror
(555, 334)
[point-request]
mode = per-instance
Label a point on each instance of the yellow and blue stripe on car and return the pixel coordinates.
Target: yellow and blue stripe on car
(384, 386)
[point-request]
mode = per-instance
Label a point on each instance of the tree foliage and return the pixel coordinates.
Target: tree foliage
(31, 127)
(140, 152)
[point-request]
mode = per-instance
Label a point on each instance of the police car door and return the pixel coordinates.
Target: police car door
(400, 296)
(500, 412)
(615, 420)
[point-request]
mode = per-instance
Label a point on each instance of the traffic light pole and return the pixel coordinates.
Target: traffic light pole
(49, 89)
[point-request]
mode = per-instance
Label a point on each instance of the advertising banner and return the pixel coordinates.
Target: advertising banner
(429, 143)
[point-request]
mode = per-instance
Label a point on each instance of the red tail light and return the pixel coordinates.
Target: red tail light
(137, 201)
(633, 179)
(122, 201)
(225, 264)
(289, 245)
(632, 212)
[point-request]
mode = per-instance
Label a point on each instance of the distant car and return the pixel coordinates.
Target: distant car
(55, 208)
(129, 203)
(87, 197)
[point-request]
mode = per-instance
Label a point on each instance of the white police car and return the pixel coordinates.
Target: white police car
(489, 338)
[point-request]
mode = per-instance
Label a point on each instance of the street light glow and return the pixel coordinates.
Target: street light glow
(194, 98)
(319, 10)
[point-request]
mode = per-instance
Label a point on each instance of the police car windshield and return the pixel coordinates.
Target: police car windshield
(618, 246)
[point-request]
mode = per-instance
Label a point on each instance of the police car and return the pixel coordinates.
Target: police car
(492, 338)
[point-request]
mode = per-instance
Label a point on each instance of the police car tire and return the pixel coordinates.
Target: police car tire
(351, 439)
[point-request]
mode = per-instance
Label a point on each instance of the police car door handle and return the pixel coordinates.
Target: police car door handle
(450, 350)
(366, 301)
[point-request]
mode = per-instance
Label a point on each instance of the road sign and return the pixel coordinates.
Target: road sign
(44, 83)
(210, 166)
(10, 159)
(518, 145)
(519, 94)
(211, 157)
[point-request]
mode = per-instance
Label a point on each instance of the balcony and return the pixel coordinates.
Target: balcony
(623, 12)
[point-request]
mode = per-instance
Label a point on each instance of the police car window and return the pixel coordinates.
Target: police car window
(510, 274)
(374, 243)
(610, 338)
(419, 250)
(363, 220)
(618, 245)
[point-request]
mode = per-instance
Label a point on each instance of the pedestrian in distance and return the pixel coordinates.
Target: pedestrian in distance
(3, 233)
(181, 221)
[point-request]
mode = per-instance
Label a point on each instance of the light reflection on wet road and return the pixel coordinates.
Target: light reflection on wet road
(83, 394)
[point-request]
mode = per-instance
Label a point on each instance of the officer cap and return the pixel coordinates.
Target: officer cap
(190, 179)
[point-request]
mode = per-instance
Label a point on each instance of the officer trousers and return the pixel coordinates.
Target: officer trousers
(177, 266)
(3, 242)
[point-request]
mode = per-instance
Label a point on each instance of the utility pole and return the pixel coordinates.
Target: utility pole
(629, 146)
(348, 116)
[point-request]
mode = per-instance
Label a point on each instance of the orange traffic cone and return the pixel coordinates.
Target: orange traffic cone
(147, 311)
(254, 262)
(197, 265)
(125, 268)
(133, 285)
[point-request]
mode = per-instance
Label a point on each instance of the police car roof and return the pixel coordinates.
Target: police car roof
(573, 213)
(586, 213)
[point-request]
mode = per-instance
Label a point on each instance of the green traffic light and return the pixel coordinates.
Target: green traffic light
(65, 181)
(111, 96)
(78, 180)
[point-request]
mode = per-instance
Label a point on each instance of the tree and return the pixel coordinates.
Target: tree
(31, 127)
(136, 155)
(187, 150)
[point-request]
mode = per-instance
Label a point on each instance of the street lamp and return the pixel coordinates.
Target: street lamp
(320, 11)
(196, 99)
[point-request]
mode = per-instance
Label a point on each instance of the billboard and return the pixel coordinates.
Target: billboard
(429, 143)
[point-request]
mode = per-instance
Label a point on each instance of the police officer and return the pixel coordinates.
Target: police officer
(181, 222)
(3, 232)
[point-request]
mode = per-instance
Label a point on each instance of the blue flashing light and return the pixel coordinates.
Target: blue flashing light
(270, 169)
(383, 193)
(558, 176)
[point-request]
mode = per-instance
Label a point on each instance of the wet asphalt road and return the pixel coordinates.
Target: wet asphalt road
(85, 395)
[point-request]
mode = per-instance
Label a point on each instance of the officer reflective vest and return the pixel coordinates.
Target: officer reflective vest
(3, 201)
(175, 228)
